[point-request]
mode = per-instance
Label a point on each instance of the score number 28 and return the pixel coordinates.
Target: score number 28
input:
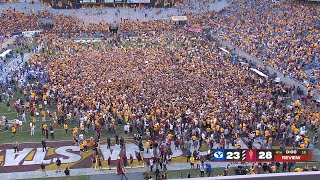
(265, 155)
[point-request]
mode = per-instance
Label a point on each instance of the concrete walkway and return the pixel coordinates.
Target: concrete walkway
(111, 174)
(92, 171)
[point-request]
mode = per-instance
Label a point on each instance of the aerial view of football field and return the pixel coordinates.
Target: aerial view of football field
(159, 89)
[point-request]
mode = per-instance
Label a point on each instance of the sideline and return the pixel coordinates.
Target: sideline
(171, 167)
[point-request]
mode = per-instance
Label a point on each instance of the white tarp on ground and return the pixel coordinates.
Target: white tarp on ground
(87, 40)
(3, 55)
(259, 72)
(244, 63)
(224, 50)
(179, 18)
(31, 33)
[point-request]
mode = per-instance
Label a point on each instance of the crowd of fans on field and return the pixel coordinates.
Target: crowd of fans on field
(172, 89)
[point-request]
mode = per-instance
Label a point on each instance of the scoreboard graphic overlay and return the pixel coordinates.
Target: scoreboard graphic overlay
(261, 155)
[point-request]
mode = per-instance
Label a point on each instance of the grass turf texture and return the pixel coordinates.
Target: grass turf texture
(24, 135)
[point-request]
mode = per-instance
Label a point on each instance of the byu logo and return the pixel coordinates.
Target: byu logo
(218, 154)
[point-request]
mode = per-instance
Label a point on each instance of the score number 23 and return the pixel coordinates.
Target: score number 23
(233, 155)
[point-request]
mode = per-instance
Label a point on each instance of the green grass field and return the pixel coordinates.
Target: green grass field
(24, 135)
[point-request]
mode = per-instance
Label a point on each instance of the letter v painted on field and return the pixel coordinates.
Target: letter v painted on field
(12, 160)
(38, 158)
(106, 152)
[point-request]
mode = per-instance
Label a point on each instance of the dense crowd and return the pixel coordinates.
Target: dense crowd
(15, 21)
(284, 34)
(169, 85)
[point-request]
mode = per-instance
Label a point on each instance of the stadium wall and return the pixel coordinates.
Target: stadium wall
(311, 175)
(77, 4)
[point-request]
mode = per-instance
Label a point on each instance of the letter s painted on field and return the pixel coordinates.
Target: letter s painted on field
(72, 157)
